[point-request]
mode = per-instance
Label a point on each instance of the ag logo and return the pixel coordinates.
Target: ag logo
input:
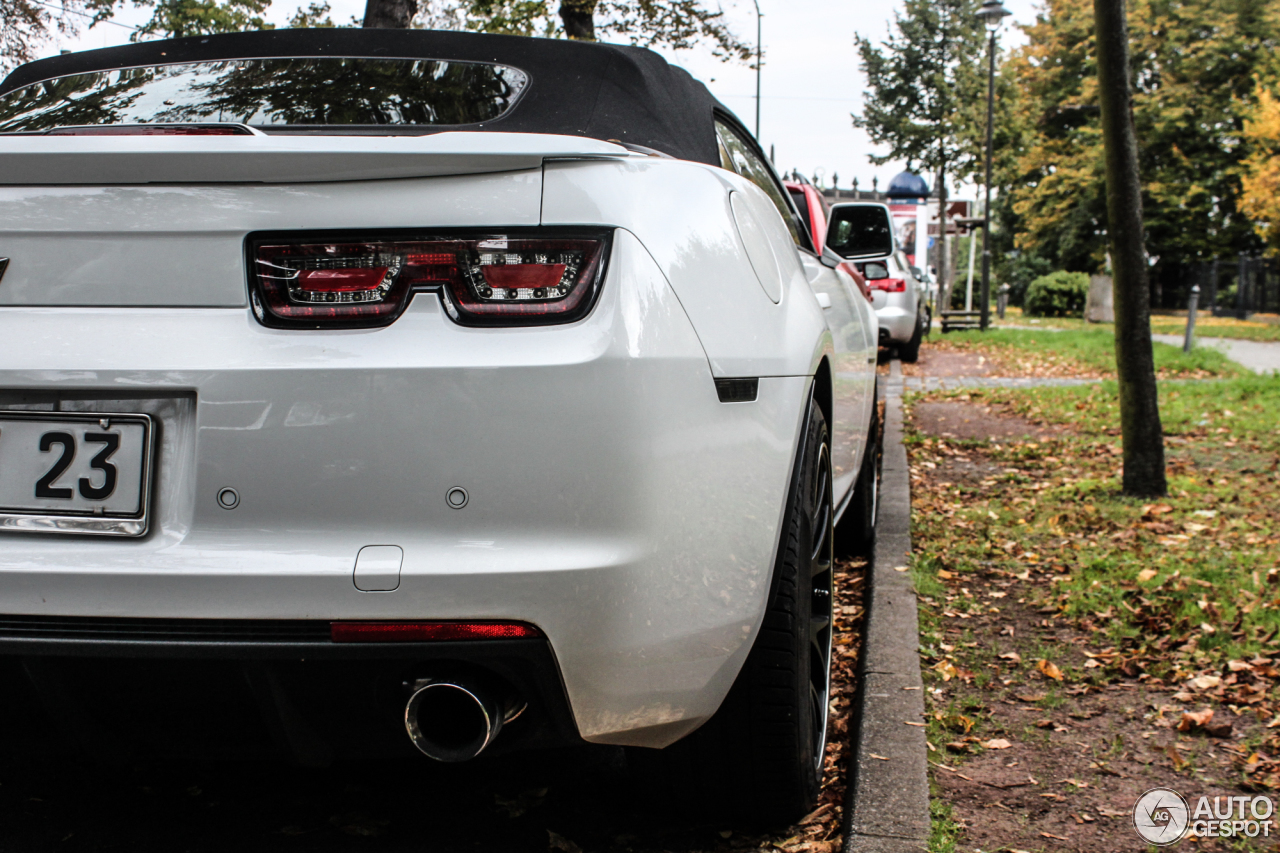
(1161, 816)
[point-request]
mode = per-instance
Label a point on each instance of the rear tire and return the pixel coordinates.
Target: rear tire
(759, 760)
(910, 351)
(856, 530)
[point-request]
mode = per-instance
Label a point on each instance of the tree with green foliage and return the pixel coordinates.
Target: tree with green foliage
(27, 24)
(921, 85)
(647, 23)
(178, 18)
(1192, 70)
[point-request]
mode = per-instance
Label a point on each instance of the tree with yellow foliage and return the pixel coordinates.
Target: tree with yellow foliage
(1261, 179)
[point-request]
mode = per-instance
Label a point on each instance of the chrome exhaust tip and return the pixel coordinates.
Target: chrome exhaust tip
(455, 719)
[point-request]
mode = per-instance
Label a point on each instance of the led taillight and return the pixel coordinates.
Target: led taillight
(495, 280)
(423, 632)
(888, 285)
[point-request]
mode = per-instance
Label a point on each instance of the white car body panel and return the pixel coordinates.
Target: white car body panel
(615, 502)
(698, 248)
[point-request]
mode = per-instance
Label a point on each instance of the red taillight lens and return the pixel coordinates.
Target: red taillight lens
(494, 280)
(421, 632)
(888, 285)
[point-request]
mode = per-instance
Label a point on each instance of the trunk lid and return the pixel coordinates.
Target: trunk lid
(161, 221)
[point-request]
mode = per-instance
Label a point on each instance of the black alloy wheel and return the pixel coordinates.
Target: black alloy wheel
(759, 760)
(819, 514)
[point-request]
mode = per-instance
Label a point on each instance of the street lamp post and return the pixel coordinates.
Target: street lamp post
(759, 17)
(991, 14)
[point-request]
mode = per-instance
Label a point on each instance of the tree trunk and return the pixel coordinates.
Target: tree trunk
(579, 18)
(1135, 368)
(944, 280)
(390, 14)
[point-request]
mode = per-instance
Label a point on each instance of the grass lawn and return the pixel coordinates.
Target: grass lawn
(1080, 352)
(1261, 328)
(1218, 327)
(1062, 622)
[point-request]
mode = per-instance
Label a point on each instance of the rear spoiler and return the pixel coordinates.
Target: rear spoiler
(111, 160)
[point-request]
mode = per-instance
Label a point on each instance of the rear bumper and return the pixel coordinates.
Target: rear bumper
(615, 503)
(138, 690)
(897, 325)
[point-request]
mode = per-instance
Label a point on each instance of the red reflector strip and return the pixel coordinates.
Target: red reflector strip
(507, 276)
(342, 280)
(418, 632)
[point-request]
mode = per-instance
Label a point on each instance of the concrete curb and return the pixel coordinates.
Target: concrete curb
(887, 806)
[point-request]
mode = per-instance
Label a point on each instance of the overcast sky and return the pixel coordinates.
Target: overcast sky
(810, 82)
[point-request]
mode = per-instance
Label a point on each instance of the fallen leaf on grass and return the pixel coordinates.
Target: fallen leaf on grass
(1049, 670)
(1206, 682)
(1193, 719)
(996, 743)
(1013, 657)
(945, 575)
(1029, 697)
(1146, 575)
(1176, 757)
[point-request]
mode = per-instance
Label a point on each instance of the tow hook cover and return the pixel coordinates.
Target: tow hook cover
(378, 568)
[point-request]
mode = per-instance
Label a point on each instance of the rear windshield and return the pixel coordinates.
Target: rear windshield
(271, 93)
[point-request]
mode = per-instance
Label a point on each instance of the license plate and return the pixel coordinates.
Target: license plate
(65, 472)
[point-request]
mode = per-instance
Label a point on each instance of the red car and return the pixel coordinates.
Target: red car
(814, 210)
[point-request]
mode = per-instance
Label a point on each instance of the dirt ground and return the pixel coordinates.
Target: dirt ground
(970, 421)
(572, 801)
(1030, 761)
(936, 360)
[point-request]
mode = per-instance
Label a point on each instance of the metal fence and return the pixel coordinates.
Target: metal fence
(1229, 286)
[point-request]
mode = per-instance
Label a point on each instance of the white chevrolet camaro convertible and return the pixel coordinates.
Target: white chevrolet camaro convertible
(364, 392)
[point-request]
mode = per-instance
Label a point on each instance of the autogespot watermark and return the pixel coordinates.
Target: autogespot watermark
(1162, 816)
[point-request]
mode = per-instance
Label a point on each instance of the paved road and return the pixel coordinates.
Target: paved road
(1258, 356)
(509, 804)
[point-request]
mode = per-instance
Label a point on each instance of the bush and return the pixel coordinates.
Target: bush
(1058, 294)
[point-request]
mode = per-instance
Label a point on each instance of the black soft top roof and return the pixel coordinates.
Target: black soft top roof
(602, 91)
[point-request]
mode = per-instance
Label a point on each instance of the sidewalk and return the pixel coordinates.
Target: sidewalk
(1258, 356)
(888, 796)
